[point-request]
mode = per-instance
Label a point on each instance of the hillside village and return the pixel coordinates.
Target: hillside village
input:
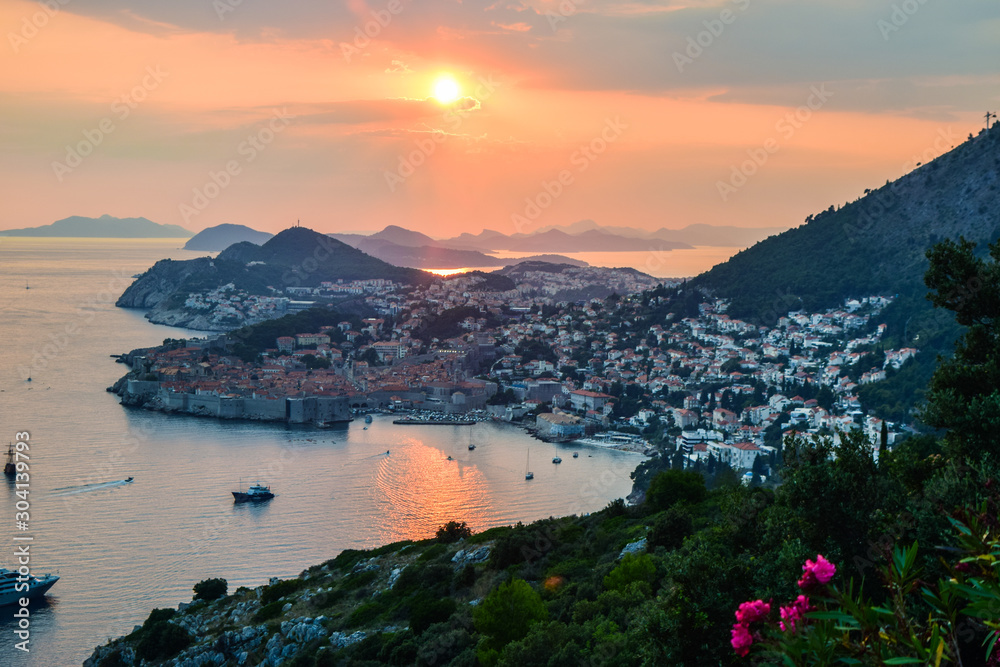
(700, 386)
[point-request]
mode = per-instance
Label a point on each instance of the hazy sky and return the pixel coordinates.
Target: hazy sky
(640, 113)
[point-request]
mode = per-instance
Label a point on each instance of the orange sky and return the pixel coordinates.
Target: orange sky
(349, 138)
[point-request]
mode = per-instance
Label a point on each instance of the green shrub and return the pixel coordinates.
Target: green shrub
(157, 616)
(210, 589)
(365, 614)
(675, 486)
(162, 640)
(506, 615)
(360, 579)
(280, 590)
(113, 660)
(433, 552)
(632, 569)
(269, 611)
(465, 577)
(670, 529)
(426, 612)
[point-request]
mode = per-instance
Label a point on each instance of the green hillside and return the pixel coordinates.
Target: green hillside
(296, 257)
(873, 245)
(876, 244)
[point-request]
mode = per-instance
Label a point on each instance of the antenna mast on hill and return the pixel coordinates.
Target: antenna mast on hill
(989, 114)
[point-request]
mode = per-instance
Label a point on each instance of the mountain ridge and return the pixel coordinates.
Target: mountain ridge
(876, 243)
(222, 236)
(295, 257)
(106, 226)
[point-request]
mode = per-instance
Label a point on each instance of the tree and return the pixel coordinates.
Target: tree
(506, 615)
(210, 589)
(453, 531)
(674, 486)
(312, 361)
(633, 569)
(964, 395)
(670, 529)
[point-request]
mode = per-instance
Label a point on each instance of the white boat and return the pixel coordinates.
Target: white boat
(254, 494)
(527, 464)
(12, 590)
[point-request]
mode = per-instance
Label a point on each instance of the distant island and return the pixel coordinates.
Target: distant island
(222, 236)
(105, 226)
(247, 283)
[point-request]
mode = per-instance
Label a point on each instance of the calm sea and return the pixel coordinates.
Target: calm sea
(685, 263)
(123, 549)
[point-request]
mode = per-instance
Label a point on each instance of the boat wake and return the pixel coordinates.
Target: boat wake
(86, 488)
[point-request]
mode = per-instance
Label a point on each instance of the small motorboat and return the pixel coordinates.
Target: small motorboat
(129, 479)
(576, 455)
(529, 475)
(255, 493)
(368, 419)
(557, 460)
(471, 447)
(450, 458)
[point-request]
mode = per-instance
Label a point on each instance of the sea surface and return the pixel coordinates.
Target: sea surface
(682, 263)
(122, 549)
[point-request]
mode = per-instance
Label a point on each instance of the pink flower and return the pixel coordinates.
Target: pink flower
(750, 612)
(817, 573)
(741, 641)
(793, 616)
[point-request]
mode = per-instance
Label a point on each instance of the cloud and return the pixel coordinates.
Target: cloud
(763, 47)
(398, 67)
(360, 112)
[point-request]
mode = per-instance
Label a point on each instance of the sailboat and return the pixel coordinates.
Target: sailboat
(9, 468)
(472, 445)
(527, 464)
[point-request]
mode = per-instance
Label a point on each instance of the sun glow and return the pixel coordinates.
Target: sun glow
(446, 90)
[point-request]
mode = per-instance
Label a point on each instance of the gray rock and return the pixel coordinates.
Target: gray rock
(464, 557)
(394, 575)
(633, 548)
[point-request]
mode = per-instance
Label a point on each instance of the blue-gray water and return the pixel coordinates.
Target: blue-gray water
(123, 549)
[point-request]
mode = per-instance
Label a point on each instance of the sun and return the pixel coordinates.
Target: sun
(446, 90)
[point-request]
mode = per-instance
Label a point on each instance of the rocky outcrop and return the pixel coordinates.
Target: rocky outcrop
(296, 621)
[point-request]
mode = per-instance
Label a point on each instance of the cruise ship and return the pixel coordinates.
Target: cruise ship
(9, 589)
